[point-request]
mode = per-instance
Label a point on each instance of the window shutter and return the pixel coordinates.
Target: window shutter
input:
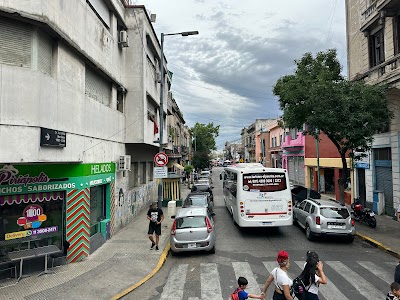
(45, 53)
(15, 43)
(97, 87)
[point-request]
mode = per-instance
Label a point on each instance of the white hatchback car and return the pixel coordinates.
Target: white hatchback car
(193, 230)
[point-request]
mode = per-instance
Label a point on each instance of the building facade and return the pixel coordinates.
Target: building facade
(79, 120)
(373, 43)
(274, 152)
(293, 148)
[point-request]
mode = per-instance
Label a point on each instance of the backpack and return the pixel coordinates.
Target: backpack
(298, 288)
(235, 294)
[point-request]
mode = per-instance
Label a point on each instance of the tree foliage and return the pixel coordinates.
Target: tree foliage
(203, 143)
(348, 112)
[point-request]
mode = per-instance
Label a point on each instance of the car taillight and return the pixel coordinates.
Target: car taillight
(352, 222)
(289, 206)
(173, 229)
(318, 220)
(209, 227)
(241, 208)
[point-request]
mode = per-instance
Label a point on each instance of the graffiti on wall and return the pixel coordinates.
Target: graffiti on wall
(129, 203)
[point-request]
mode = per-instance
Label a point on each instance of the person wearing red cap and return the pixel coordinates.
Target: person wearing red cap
(280, 278)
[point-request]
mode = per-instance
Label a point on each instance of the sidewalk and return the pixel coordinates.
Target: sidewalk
(121, 263)
(385, 236)
(126, 261)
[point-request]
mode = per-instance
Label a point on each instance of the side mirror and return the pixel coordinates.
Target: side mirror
(220, 176)
(212, 187)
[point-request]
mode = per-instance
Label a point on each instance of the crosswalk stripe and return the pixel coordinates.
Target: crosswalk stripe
(378, 271)
(210, 282)
(329, 290)
(243, 269)
(363, 286)
(173, 289)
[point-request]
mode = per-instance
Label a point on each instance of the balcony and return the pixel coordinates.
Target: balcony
(388, 71)
(292, 143)
(378, 10)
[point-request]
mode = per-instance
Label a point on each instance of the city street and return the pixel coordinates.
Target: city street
(354, 271)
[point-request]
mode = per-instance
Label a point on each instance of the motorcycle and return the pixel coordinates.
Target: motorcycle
(363, 214)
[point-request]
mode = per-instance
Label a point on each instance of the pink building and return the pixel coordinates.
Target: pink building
(274, 152)
(293, 156)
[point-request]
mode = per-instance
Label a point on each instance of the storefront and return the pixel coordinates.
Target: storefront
(51, 204)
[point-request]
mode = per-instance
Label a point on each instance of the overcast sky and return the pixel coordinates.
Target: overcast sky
(226, 73)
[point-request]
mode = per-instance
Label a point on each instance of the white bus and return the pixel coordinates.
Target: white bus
(257, 196)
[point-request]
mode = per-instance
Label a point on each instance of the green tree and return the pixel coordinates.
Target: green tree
(348, 112)
(203, 143)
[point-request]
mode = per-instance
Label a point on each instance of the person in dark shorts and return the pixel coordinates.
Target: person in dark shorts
(155, 215)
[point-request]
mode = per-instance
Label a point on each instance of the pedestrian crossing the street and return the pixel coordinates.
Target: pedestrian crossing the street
(346, 280)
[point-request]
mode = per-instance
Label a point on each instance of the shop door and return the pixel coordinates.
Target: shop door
(361, 186)
(384, 183)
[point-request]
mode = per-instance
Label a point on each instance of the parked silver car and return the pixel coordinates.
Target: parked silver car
(193, 230)
(324, 218)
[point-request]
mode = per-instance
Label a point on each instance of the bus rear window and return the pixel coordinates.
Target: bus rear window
(264, 182)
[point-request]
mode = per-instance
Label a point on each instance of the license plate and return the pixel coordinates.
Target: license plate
(372, 214)
(191, 246)
(335, 227)
(266, 223)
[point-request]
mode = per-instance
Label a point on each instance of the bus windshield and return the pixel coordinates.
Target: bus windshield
(264, 182)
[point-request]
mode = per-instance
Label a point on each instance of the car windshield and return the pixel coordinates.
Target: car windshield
(334, 212)
(191, 222)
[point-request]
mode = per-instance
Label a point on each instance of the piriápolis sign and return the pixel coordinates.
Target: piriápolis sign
(52, 177)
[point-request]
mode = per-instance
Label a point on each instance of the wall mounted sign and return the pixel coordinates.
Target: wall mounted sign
(52, 138)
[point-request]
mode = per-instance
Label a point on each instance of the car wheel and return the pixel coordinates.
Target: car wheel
(295, 222)
(173, 253)
(350, 239)
(309, 234)
(212, 251)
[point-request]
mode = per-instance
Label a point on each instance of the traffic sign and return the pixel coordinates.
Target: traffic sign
(161, 159)
(160, 172)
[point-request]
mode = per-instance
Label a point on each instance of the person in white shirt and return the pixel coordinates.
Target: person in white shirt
(313, 275)
(281, 279)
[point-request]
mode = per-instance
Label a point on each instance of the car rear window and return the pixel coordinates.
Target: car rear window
(196, 201)
(334, 212)
(191, 222)
(264, 182)
(201, 187)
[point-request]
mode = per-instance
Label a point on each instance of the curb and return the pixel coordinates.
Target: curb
(378, 245)
(161, 261)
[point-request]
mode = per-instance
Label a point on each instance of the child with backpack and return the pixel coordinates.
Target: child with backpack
(240, 293)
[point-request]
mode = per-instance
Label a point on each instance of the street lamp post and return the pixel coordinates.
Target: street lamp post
(185, 33)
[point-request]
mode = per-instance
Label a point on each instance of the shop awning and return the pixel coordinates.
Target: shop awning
(31, 198)
(180, 167)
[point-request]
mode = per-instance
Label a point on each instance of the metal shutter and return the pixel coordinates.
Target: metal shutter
(45, 53)
(15, 43)
(301, 175)
(97, 87)
(384, 182)
(291, 171)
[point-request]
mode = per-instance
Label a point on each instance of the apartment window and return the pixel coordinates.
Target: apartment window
(97, 87)
(26, 46)
(280, 139)
(120, 101)
(143, 172)
(382, 154)
(134, 175)
(396, 34)
(293, 133)
(151, 171)
(376, 48)
(101, 10)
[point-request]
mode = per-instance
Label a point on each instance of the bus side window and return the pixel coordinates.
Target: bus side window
(235, 177)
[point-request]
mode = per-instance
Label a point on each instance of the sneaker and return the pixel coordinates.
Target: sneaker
(156, 248)
(152, 246)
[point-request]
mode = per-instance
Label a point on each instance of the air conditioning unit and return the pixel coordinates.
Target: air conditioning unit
(123, 39)
(124, 163)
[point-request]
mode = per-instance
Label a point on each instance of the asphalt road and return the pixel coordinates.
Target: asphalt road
(355, 271)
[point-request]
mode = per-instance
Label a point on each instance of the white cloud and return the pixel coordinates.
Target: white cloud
(226, 73)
